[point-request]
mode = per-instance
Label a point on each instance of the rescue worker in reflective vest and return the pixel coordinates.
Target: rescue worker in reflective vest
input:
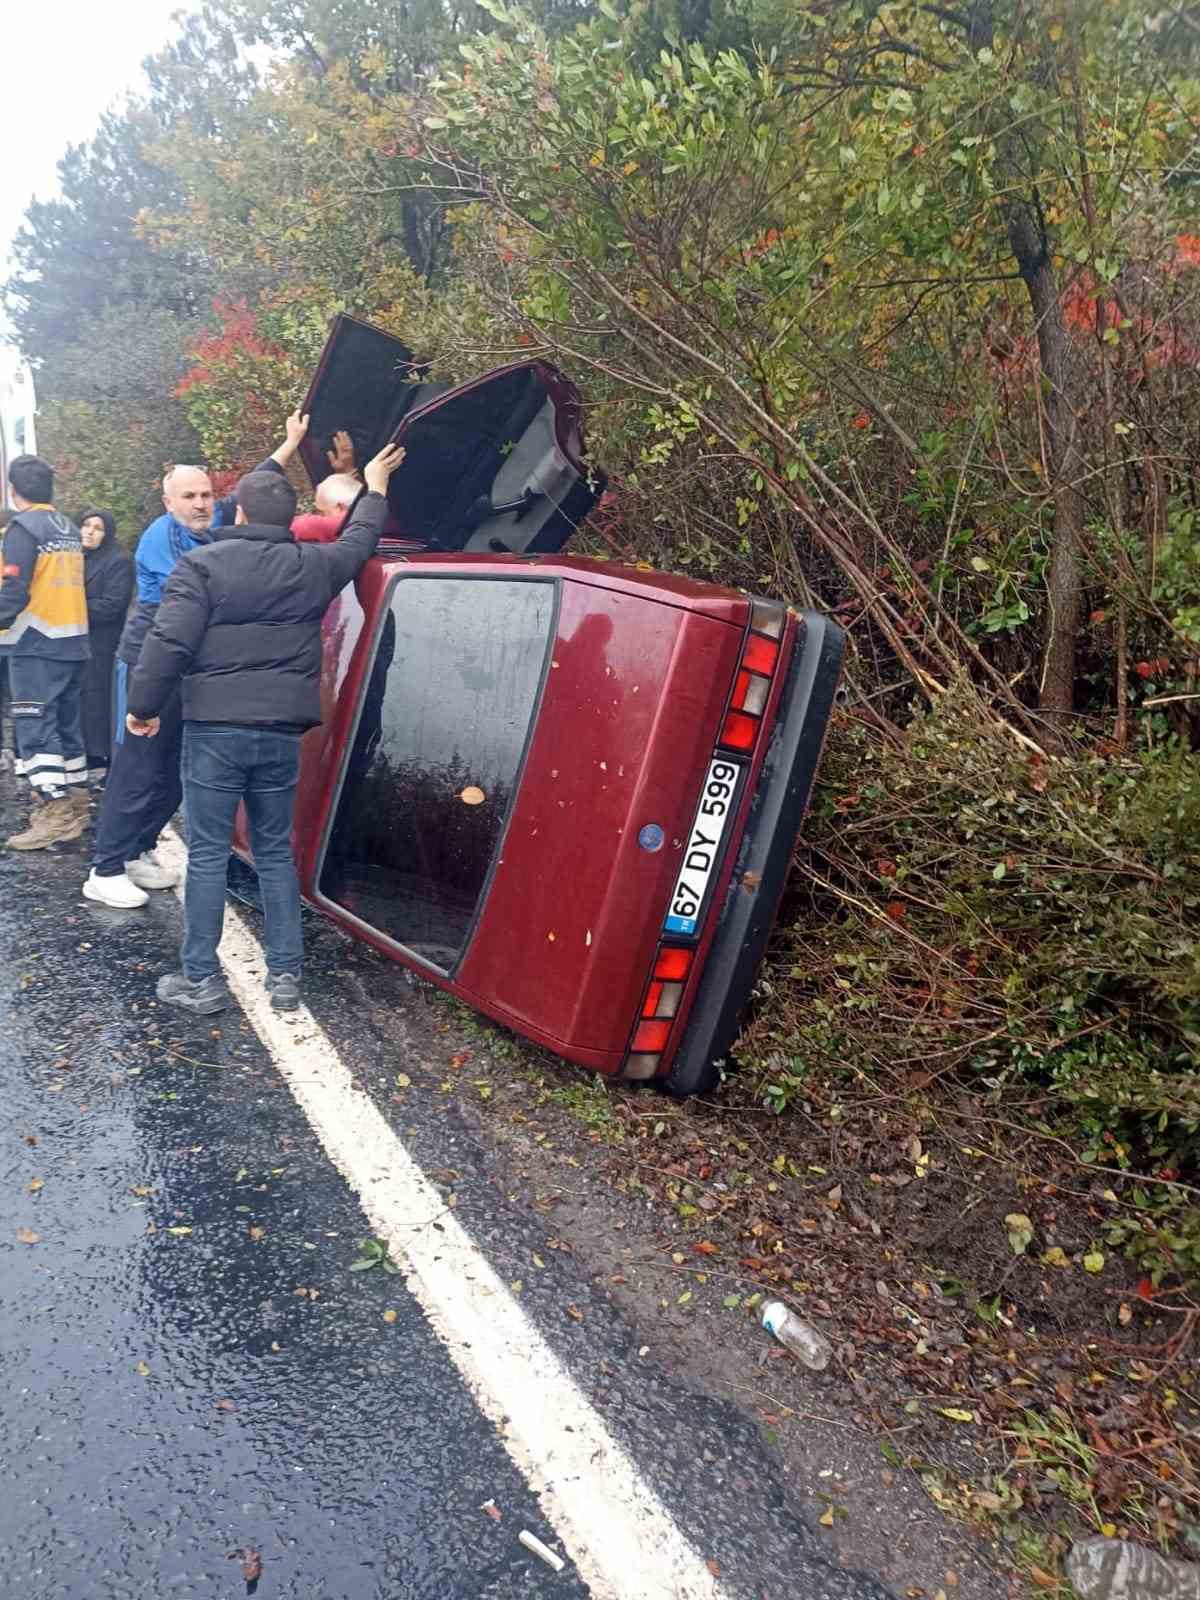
(44, 637)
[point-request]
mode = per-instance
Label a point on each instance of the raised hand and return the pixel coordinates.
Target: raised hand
(341, 457)
(295, 428)
(379, 470)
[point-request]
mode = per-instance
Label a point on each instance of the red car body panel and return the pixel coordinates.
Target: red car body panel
(640, 675)
(634, 699)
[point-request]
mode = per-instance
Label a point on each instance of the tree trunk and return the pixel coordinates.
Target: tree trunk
(1064, 459)
(1061, 404)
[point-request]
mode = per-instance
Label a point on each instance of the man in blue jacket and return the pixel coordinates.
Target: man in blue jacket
(144, 791)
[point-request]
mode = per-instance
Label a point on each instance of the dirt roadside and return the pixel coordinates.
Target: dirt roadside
(991, 1396)
(609, 1185)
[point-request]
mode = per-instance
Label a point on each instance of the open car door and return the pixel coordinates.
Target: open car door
(496, 464)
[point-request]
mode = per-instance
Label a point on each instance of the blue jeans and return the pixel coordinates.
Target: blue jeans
(223, 764)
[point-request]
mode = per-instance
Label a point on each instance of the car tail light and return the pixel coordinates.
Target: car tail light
(740, 731)
(752, 686)
(638, 1068)
(664, 993)
(673, 962)
(651, 1037)
(760, 654)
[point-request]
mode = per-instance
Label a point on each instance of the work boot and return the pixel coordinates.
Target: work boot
(54, 822)
(78, 796)
(203, 998)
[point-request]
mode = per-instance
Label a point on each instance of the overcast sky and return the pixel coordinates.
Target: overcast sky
(65, 62)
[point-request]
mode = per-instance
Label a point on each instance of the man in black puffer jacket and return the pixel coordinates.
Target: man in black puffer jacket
(240, 623)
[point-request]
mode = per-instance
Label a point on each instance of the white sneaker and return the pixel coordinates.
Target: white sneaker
(148, 872)
(120, 891)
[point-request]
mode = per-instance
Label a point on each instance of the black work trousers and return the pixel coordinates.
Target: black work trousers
(47, 728)
(144, 789)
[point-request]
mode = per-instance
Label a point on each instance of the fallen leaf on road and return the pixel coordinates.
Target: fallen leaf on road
(390, 1316)
(956, 1415)
(31, 1138)
(142, 1370)
(826, 1519)
(141, 1190)
(714, 1567)
(251, 1563)
(35, 1184)
(257, 1232)
(27, 1236)
(492, 1509)
(705, 1248)
(574, 1313)
(226, 1405)
(179, 1233)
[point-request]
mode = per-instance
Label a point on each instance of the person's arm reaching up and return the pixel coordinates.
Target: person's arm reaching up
(296, 426)
(350, 552)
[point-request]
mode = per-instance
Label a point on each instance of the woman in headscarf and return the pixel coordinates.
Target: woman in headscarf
(108, 577)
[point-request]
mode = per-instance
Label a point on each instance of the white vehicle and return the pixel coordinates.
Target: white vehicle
(17, 432)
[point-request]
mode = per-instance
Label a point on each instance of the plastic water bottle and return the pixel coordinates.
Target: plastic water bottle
(1114, 1569)
(796, 1335)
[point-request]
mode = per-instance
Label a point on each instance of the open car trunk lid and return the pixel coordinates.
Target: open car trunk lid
(495, 464)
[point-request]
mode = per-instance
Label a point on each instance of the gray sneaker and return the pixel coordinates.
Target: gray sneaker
(284, 990)
(204, 998)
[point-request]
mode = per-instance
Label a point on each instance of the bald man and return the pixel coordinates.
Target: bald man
(144, 790)
(333, 497)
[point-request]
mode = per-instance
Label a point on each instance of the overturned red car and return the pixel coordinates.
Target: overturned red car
(565, 791)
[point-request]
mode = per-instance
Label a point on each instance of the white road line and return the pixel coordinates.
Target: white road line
(623, 1541)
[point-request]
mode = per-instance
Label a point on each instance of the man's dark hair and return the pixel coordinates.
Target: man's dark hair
(32, 478)
(267, 498)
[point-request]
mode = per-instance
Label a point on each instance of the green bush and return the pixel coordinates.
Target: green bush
(1029, 926)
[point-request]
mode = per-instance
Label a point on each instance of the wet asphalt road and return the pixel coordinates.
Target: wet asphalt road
(170, 1396)
(190, 1368)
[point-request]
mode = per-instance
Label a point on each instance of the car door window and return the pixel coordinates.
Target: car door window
(436, 757)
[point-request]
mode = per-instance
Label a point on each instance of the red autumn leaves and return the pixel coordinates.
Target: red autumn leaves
(1153, 669)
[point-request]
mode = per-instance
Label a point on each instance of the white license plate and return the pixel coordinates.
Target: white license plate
(717, 806)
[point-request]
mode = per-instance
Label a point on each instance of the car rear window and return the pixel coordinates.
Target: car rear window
(436, 757)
